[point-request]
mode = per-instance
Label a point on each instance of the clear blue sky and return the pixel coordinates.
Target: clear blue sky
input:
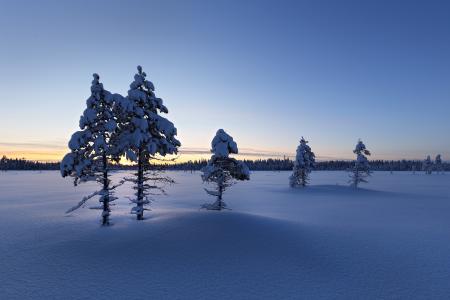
(266, 72)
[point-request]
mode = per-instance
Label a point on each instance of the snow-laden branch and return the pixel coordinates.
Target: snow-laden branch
(83, 201)
(117, 185)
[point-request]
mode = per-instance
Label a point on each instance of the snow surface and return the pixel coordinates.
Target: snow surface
(387, 240)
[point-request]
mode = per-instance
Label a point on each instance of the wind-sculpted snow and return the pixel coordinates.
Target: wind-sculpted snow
(329, 241)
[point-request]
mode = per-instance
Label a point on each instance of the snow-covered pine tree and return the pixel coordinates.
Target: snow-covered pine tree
(223, 170)
(361, 169)
(91, 148)
(303, 164)
(145, 134)
(438, 164)
(427, 165)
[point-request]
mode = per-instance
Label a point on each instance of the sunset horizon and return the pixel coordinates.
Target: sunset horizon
(225, 149)
(267, 82)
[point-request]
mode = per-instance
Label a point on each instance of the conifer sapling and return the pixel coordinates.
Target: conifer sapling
(438, 164)
(222, 170)
(427, 165)
(303, 164)
(361, 168)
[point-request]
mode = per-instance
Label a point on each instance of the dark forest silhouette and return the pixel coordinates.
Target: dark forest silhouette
(254, 165)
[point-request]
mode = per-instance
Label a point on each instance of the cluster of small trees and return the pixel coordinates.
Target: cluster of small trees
(359, 171)
(305, 162)
(428, 166)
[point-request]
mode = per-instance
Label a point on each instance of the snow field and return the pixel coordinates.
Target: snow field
(388, 240)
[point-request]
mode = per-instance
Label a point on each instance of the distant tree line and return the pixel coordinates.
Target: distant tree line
(254, 165)
(330, 165)
(23, 164)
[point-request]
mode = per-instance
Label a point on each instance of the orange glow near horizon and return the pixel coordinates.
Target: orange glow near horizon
(55, 152)
(37, 155)
(57, 155)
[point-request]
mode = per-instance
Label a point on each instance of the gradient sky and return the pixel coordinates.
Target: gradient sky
(267, 72)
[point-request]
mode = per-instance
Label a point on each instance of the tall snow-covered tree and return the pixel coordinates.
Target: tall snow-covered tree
(438, 164)
(91, 147)
(427, 165)
(222, 170)
(147, 136)
(361, 168)
(303, 164)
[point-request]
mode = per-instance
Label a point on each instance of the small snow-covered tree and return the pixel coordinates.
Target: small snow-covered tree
(223, 170)
(145, 135)
(427, 165)
(438, 164)
(361, 168)
(303, 164)
(91, 148)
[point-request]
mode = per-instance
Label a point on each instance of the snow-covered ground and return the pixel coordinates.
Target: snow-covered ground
(390, 240)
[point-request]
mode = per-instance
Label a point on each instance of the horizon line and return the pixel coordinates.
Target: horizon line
(41, 152)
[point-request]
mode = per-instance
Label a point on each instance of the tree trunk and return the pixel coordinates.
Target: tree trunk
(356, 178)
(219, 198)
(140, 191)
(105, 215)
